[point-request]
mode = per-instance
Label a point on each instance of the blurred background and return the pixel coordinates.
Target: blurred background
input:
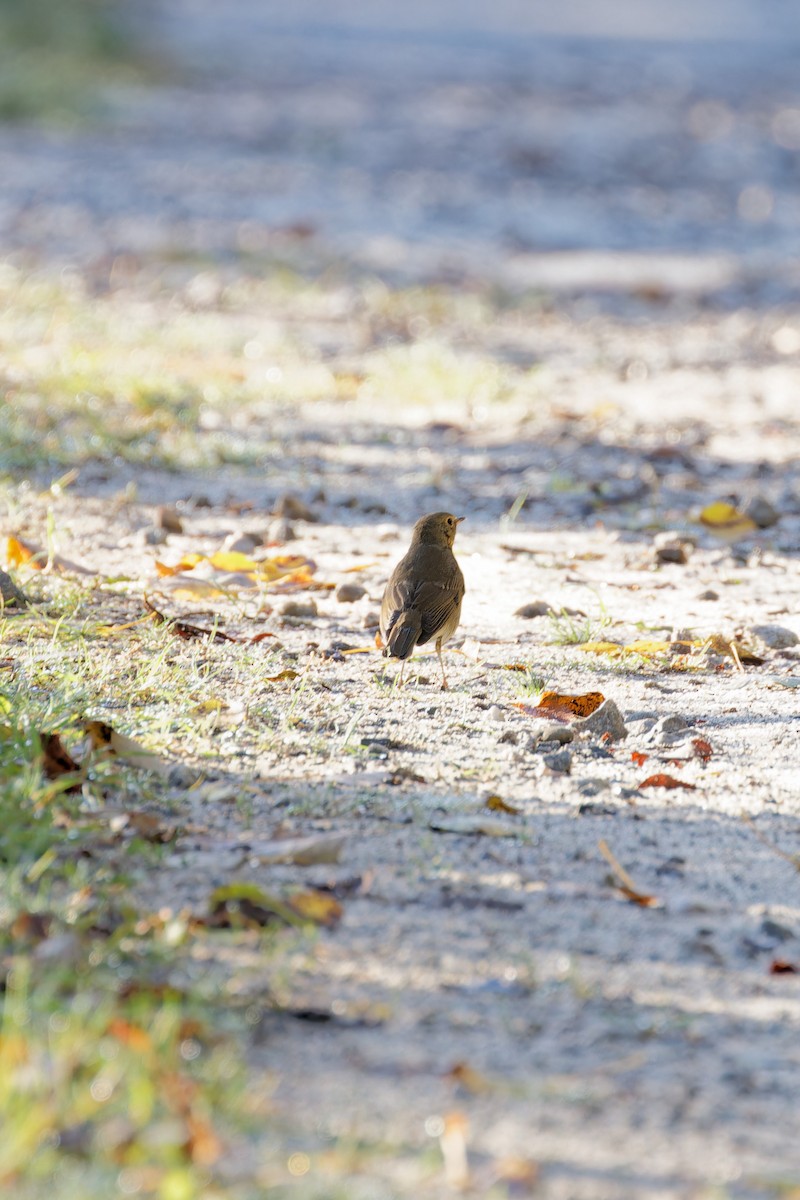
(566, 147)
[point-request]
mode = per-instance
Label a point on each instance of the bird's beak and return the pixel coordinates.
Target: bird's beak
(460, 519)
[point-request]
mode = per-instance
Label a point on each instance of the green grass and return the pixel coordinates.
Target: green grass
(56, 57)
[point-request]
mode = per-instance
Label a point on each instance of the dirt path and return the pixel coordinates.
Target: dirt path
(493, 992)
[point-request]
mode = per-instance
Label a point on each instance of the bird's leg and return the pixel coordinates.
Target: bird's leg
(400, 676)
(445, 685)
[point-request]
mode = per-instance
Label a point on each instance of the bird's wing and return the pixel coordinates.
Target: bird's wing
(439, 605)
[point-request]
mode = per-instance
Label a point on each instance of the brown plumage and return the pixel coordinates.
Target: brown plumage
(424, 593)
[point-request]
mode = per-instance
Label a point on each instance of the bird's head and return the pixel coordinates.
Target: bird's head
(437, 529)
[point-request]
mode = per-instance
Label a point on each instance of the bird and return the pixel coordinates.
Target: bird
(423, 597)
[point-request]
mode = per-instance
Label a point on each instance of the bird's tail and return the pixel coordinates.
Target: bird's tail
(403, 635)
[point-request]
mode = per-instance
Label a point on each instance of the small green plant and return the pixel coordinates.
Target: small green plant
(572, 629)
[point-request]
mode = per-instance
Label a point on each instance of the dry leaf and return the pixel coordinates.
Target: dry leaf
(666, 781)
(726, 521)
(57, 761)
(106, 742)
(780, 966)
(184, 630)
(145, 825)
(582, 705)
(497, 804)
(601, 647)
(471, 649)
(320, 907)
(624, 882)
(246, 906)
(474, 823)
(130, 1035)
(471, 1080)
(303, 851)
(638, 758)
(232, 560)
(20, 552)
(288, 673)
(731, 648)
(702, 749)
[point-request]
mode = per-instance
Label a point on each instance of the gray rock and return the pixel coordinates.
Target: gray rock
(155, 536)
(536, 608)
(774, 637)
(762, 512)
(348, 593)
(10, 593)
(605, 719)
(560, 762)
(168, 518)
(496, 713)
(293, 508)
(298, 608)
(240, 542)
(708, 594)
(592, 787)
(550, 731)
(371, 621)
(672, 547)
(279, 531)
(667, 731)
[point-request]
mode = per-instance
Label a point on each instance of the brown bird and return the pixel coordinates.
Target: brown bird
(424, 593)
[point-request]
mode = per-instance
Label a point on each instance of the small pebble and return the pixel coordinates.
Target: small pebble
(708, 594)
(293, 508)
(496, 713)
(550, 731)
(667, 731)
(155, 536)
(762, 512)
(672, 547)
(774, 637)
(537, 608)
(240, 543)
(279, 531)
(169, 519)
(348, 593)
(560, 762)
(371, 620)
(298, 608)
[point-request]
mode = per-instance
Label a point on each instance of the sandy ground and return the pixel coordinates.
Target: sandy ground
(500, 994)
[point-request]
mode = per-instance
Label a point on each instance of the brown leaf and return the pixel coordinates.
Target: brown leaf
(145, 825)
(582, 705)
(57, 761)
(184, 630)
(498, 804)
(702, 749)
(666, 781)
(468, 1078)
(779, 966)
(288, 673)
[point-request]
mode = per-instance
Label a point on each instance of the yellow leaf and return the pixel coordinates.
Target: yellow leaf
(726, 521)
(232, 560)
(647, 647)
(319, 907)
(601, 647)
(187, 563)
(19, 552)
(209, 706)
(288, 673)
(192, 589)
(284, 564)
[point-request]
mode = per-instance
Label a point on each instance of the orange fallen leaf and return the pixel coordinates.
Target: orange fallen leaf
(702, 749)
(666, 781)
(638, 758)
(780, 966)
(19, 552)
(575, 706)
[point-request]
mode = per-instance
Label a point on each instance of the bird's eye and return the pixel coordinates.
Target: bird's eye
(449, 520)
